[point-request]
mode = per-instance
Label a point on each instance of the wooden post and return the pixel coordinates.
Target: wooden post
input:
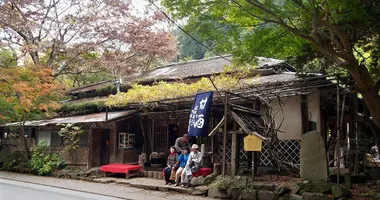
(233, 154)
(90, 149)
(304, 114)
(338, 132)
(225, 133)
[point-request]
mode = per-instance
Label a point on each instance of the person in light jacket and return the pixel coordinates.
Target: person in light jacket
(182, 159)
(194, 164)
(171, 165)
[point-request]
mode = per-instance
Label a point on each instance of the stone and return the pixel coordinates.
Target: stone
(313, 157)
(214, 192)
(340, 191)
(263, 186)
(201, 190)
(248, 195)
(290, 197)
(266, 195)
(209, 179)
(281, 191)
(145, 173)
(378, 182)
(315, 196)
(298, 189)
(316, 187)
(197, 181)
(217, 169)
(347, 180)
(150, 174)
(155, 175)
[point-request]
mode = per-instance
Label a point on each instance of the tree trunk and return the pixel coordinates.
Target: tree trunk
(369, 92)
(22, 130)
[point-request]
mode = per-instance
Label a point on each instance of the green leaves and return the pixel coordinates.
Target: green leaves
(43, 162)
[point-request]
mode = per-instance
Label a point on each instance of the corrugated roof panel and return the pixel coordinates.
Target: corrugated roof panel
(91, 118)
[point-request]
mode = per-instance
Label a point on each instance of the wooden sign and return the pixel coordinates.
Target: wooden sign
(252, 143)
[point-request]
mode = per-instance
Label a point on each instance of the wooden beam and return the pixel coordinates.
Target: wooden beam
(217, 127)
(244, 127)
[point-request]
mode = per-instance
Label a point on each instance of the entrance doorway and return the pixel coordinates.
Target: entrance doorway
(105, 147)
(100, 147)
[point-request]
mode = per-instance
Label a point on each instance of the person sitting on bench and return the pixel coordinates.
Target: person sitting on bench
(171, 165)
(194, 164)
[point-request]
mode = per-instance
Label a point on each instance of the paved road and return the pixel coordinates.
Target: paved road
(15, 190)
(53, 184)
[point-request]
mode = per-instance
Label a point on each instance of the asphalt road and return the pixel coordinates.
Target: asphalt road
(16, 190)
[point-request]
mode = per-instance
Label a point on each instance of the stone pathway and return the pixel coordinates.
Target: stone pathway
(145, 183)
(115, 187)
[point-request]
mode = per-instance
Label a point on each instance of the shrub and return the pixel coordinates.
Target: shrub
(44, 162)
(15, 162)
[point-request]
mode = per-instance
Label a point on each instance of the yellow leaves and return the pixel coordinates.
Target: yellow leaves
(164, 90)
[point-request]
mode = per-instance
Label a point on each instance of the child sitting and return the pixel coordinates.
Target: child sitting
(182, 159)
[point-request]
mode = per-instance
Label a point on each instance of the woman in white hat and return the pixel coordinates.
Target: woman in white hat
(194, 163)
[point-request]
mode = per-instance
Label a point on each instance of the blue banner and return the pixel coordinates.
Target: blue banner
(200, 114)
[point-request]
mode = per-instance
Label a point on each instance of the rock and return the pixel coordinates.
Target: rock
(209, 179)
(313, 157)
(315, 196)
(214, 192)
(145, 173)
(263, 186)
(340, 191)
(87, 173)
(290, 197)
(150, 174)
(281, 191)
(201, 190)
(248, 195)
(266, 195)
(197, 181)
(347, 180)
(378, 182)
(316, 187)
(298, 189)
(156, 175)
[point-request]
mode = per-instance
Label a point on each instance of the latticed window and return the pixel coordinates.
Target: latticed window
(126, 140)
(161, 136)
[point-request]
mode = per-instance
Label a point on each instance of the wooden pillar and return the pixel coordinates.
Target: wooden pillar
(233, 154)
(353, 105)
(304, 114)
(225, 133)
(90, 149)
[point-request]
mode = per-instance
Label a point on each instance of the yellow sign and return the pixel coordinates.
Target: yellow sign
(252, 143)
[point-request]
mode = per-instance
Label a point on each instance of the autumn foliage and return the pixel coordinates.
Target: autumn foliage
(29, 89)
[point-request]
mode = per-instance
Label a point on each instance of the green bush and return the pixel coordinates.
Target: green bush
(15, 162)
(44, 162)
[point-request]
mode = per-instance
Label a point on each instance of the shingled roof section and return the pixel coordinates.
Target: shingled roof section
(194, 69)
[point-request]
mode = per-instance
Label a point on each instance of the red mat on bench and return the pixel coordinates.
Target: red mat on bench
(120, 168)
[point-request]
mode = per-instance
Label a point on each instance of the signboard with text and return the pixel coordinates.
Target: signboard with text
(200, 114)
(252, 143)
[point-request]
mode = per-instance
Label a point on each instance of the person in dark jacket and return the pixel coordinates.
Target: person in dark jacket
(181, 143)
(171, 165)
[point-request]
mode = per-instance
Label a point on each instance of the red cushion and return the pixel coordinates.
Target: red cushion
(120, 168)
(203, 172)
